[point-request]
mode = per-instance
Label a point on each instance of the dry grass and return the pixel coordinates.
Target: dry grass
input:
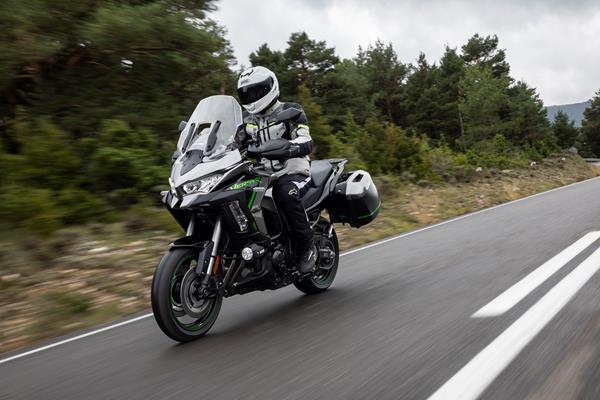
(408, 206)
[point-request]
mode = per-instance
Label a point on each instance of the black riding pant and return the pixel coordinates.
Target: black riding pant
(288, 192)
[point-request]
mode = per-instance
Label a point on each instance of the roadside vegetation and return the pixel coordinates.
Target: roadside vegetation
(91, 93)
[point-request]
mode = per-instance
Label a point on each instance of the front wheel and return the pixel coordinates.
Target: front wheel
(327, 265)
(180, 311)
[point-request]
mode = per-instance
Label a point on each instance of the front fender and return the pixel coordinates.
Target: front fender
(189, 242)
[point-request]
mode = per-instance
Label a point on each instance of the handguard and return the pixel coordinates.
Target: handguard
(276, 149)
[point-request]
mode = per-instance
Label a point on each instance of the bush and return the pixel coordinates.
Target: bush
(79, 206)
(33, 209)
(442, 162)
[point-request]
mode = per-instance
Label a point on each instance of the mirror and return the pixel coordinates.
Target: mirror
(289, 114)
(182, 126)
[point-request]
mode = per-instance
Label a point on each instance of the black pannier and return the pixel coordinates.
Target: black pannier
(355, 201)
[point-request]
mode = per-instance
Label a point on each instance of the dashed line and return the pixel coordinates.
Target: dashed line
(521, 289)
(472, 380)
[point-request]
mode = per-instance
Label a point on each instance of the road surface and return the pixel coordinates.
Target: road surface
(499, 304)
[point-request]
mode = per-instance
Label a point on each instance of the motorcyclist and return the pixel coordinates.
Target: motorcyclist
(258, 91)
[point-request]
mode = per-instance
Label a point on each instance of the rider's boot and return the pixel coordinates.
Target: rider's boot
(306, 259)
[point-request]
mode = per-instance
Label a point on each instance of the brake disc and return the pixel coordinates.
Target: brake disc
(194, 303)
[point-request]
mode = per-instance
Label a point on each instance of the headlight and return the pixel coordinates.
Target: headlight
(203, 185)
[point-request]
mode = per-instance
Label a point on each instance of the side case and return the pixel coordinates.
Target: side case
(355, 201)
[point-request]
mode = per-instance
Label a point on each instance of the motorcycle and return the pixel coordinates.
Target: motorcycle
(236, 240)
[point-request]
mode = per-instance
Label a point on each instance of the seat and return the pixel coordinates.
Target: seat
(320, 170)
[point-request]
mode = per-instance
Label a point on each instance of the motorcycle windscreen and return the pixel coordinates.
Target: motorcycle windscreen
(222, 109)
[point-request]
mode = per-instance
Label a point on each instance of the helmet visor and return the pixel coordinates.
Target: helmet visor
(250, 93)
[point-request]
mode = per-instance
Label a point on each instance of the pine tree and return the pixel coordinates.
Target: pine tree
(308, 62)
(451, 71)
(320, 130)
(420, 102)
(482, 96)
(265, 57)
(484, 51)
(591, 124)
(564, 130)
(386, 76)
(525, 117)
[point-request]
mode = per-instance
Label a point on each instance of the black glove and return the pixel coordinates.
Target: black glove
(293, 151)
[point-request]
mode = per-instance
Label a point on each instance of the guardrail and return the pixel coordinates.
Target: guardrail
(592, 160)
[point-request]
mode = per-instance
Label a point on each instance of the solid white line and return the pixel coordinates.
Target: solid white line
(521, 289)
(341, 255)
(474, 378)
(129, 321)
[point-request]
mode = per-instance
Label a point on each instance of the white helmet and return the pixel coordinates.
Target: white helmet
(257, 89)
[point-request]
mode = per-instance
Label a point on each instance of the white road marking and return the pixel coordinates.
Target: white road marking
(106, 328)
(341, 255)
(521, 289)
(471, 381)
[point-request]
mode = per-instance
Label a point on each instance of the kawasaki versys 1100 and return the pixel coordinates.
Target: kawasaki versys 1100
(236, 240)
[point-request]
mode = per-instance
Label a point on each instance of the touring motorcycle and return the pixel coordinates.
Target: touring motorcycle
(236, 240)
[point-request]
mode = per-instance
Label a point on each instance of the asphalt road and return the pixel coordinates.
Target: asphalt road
(397, 324)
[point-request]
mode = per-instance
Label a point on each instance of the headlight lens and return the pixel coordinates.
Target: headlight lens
(203, 185)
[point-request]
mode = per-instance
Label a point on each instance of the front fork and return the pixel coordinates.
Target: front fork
(208, 255)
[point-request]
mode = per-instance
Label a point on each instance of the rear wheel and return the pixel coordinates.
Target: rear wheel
(327, 265)
(180, 310)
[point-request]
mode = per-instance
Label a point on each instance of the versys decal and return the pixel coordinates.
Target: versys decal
(241, 185)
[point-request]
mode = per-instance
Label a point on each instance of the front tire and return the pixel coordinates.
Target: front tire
(326, 270)
(167, 303)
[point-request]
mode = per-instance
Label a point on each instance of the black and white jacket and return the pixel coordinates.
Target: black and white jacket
(264, 127)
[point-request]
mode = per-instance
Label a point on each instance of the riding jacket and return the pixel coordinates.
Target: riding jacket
(263, 127)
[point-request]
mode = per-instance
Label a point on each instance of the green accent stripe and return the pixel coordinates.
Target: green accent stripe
(254, 226)
(370, 214)
(251, 200)
(303, 126)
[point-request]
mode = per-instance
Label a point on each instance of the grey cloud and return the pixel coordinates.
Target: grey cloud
(550, 44)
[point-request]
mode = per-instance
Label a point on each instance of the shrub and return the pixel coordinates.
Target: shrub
(33, 209)
(79, 205)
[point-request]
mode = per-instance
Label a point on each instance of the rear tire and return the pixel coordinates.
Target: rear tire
(326, 271)
(167, 304)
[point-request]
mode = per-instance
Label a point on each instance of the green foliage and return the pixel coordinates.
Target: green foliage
(82, 62)
(321, 131)
(525, 121)
(30, 208)
(48, 156)
(482, 97)
(484, 52)
(345, 91)
(91, 92)
(564, 130)
(308, 62)
(385, 75)
(591, 125)
(265, 57)
(432, 97)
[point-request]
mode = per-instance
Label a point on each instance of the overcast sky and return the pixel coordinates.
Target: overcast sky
(553, 45)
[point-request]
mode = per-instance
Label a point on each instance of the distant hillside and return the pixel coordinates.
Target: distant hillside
(574, 111)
